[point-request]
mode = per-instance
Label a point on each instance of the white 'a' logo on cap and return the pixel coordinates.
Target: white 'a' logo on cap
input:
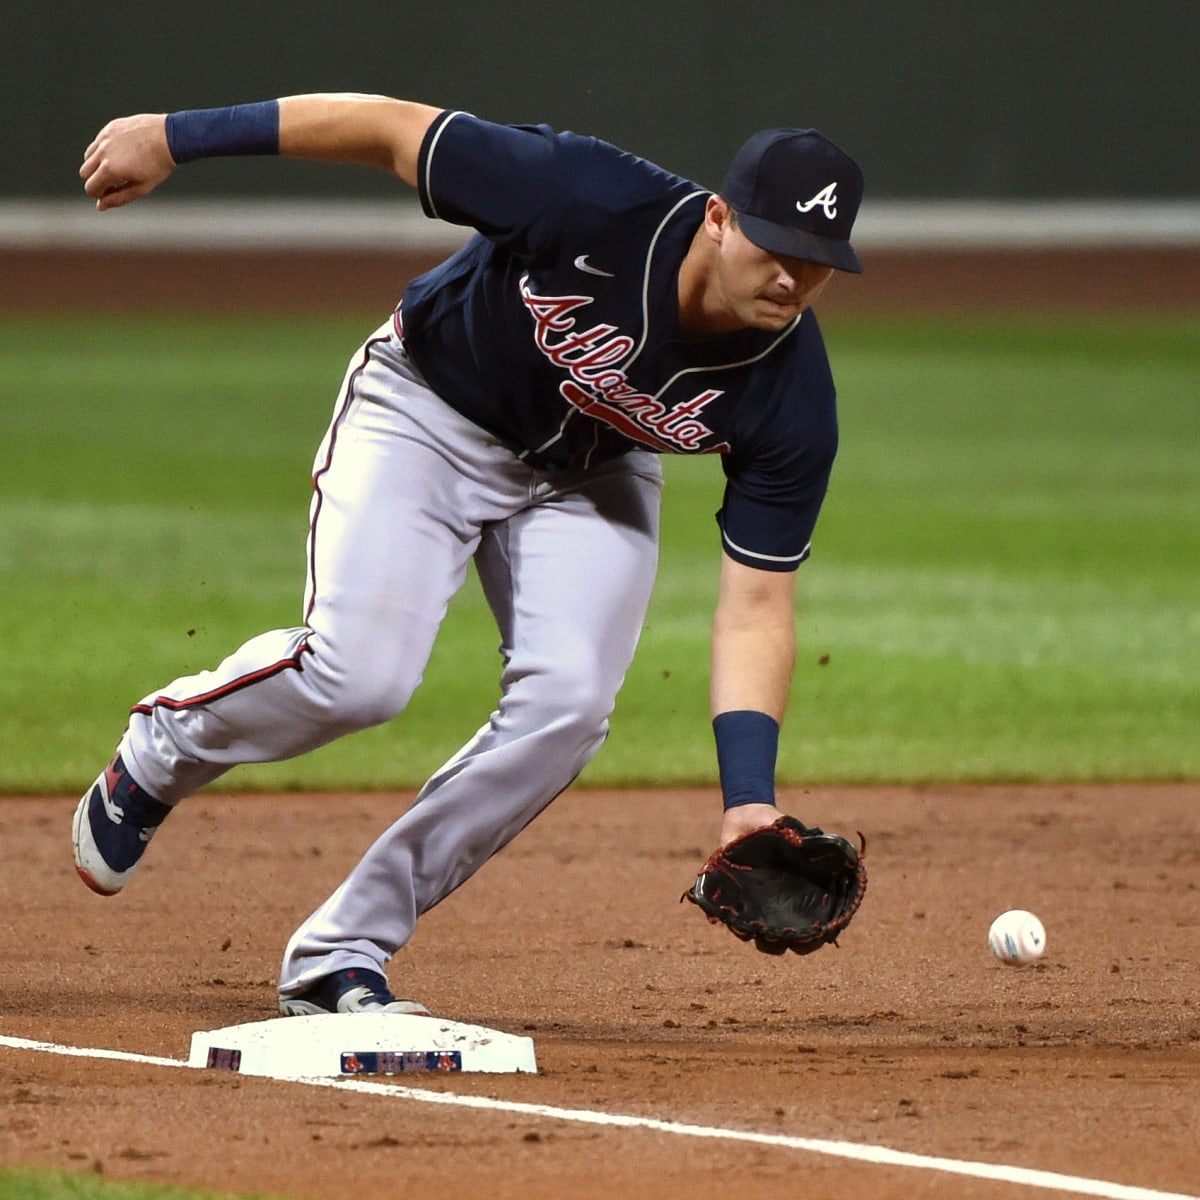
(826, 198)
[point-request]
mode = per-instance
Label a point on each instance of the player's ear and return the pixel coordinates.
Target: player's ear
(718, 218)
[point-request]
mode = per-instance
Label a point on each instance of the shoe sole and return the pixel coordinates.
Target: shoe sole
(78, 834)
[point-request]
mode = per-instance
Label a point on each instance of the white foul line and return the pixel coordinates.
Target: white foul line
(15, 1043)
(879, 1155)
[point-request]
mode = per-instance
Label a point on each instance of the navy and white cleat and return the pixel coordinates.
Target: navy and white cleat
(351, 991)
(113, 824)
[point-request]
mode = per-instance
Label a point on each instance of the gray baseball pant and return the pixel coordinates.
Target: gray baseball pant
(406, 493)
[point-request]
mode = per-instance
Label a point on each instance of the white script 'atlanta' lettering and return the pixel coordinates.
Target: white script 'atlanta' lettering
(826, 198)
(596, 385)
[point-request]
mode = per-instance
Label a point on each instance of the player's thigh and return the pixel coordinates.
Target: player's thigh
(395, 519)
(569, 578)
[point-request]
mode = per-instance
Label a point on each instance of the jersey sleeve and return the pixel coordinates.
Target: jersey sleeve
(506, 181)
(776, 481)
(768, 527)
(517, 184)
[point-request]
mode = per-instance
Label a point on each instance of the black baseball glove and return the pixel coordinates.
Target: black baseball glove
(785, 886)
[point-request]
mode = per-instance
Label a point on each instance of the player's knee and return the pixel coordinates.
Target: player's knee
(360, 691)
(375, 705)
(580, 699)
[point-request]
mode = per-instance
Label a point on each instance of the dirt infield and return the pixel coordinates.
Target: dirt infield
(908, 1036)
(1145, 280)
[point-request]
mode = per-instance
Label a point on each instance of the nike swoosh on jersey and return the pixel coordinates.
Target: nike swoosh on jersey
(582, 263)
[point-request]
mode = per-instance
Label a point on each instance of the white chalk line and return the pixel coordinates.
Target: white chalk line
(858, 1152)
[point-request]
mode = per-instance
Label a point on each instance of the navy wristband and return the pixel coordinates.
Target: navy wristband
(747, 747)
(210, 132)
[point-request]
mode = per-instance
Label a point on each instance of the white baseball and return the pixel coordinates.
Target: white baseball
(1017, 937)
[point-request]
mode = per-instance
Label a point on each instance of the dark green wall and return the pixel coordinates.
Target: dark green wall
(1011, 98)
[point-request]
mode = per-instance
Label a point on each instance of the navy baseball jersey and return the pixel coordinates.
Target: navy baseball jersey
(556, 328)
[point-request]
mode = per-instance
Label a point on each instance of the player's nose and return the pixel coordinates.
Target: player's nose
(799, 277)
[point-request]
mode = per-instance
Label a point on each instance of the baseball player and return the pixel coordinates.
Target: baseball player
(512, 411)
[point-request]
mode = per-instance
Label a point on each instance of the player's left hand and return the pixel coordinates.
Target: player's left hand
(784, 887)
(128, 158)
(746, 818)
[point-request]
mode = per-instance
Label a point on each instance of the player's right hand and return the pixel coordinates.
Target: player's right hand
(128, 158)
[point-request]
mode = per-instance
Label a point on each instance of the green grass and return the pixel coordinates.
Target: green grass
(1005, 581)
(30, 1183)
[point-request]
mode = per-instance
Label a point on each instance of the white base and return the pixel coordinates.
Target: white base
(359, 1044)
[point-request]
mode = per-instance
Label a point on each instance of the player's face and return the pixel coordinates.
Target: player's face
(746, 286)
(762, 290)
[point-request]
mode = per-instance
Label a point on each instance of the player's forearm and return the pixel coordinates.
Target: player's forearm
(372, 131)
(752, 668)
(751, 675)
(753, 651)
(753, 640)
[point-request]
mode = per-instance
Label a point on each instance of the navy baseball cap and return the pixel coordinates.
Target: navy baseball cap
(796, 194)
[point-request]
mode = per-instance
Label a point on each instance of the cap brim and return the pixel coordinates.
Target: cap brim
(796, 243)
